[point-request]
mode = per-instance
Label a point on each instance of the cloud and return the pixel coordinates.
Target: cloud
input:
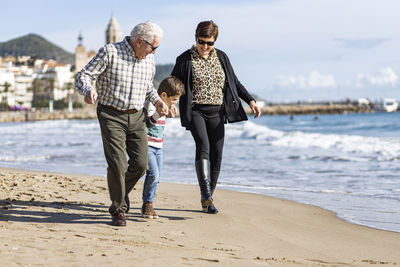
(384, 77)
(307, 81)
(361, 43)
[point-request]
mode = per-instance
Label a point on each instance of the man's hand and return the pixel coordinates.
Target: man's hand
(91, 96)
(161, 108)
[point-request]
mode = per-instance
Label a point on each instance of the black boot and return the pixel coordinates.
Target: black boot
(212, 209)
(213, 184)
(203, 176)
(214, 179)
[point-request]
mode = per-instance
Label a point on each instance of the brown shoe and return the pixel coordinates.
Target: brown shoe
(148, 211)
(118, 219)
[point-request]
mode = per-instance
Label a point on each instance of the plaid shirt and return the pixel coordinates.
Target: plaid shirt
(122, 80)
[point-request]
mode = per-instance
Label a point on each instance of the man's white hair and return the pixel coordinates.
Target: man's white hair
(146, 30)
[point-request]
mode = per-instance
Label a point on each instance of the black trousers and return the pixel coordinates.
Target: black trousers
(208, 131)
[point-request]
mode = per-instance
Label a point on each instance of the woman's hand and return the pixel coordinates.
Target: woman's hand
(256, 110)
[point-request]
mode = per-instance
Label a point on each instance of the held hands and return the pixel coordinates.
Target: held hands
(91, 96)
(161, 108)
(171, 111)
(256, 110)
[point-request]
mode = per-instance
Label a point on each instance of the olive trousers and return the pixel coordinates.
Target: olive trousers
(123, 134)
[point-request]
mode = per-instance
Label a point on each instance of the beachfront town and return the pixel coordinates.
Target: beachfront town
(28, 82)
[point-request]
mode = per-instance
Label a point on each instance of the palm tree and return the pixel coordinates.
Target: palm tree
(4, 98)
(7, 86)
(51, 87)
(35, 90)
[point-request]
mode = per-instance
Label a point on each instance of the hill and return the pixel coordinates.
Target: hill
(35, 46)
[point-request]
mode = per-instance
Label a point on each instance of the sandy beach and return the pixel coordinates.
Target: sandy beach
(50, 219)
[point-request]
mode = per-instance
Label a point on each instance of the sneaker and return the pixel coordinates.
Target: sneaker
(155, 216)
(148, 211)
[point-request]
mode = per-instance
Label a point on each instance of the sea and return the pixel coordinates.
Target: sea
(347, 163)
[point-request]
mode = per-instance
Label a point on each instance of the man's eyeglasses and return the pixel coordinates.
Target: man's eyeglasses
(202, 42)
(152, 47)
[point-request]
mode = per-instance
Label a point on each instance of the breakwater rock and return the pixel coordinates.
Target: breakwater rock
(19, 116)
(312, 109)
(90, 113)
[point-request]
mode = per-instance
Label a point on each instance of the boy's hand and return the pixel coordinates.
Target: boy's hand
(161, 108)
(171, 111)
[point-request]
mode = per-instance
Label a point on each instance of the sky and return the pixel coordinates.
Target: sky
(281, 50)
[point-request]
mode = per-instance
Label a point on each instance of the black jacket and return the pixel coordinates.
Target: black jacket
(233, 89)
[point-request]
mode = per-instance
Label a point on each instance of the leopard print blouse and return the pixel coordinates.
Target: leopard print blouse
(208, 78)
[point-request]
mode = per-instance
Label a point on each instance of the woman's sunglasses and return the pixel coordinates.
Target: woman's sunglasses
(202, 42)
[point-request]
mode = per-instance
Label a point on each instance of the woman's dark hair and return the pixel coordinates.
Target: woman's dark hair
(207, 29)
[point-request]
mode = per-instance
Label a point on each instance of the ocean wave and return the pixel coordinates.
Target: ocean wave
(355, 147)
(30, 158)
(51, 127)
(381, 148)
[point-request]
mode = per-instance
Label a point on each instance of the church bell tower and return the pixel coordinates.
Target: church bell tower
(80, 54)
(113, 32)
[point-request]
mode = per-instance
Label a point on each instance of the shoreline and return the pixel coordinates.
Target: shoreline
(220, 187)
(53, 218)
(232, 188)
(228, 188)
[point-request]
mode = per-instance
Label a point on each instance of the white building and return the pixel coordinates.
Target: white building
(60, 73)
(390, 105)
(6, 76)
(363, 102)
(16, 82)
(23, 93)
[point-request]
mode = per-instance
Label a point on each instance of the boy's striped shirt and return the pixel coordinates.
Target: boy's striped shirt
(155, 126)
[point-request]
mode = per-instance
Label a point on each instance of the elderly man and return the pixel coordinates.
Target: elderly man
(123, 73)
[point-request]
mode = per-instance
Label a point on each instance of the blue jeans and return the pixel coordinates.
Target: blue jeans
(153, 174)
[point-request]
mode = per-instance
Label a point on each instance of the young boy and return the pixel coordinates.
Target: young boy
(170, 90)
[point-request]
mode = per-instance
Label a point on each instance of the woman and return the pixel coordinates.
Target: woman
(212, 98)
